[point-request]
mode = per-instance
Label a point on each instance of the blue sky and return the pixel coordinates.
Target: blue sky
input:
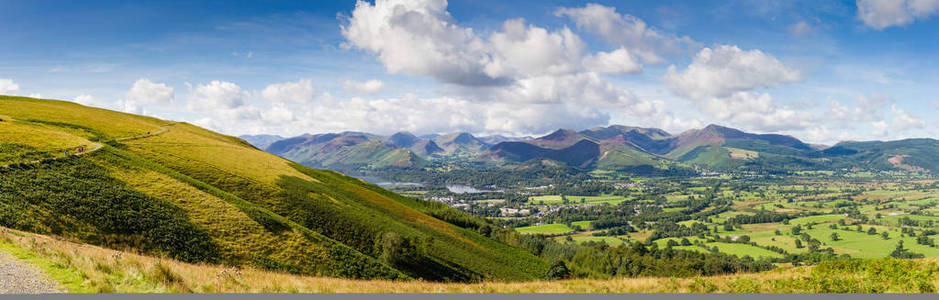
(823, 71)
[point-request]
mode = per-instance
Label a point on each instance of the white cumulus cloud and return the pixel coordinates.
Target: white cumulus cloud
(7, 86)
(509, 75)
(615, 62)
(422, 38)
(217, 95)
(299, 91)
(757, 111)
(628, 31)
(145, 92)
(418, 38)
(880, 14)
(527, 50)
(84, 99)
(88, 100)
(903, 120)
(724, 70)
(444, 114)
(880, 128)
(367, 87)
(868, 108)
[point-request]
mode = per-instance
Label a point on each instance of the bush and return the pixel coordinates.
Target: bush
(77, 198)
(558, 270)
(872, 276)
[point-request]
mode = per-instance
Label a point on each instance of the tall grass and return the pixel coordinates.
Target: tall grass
(84, 268)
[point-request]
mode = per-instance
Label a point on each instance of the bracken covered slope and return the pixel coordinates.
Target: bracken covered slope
(179, 190)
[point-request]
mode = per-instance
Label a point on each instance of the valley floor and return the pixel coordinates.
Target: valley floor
(84, 268)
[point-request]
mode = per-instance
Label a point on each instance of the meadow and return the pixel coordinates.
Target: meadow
(545, 229)
(557, 199)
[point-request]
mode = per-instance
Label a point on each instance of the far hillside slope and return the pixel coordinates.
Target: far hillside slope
(918, 155)
(580, 154)
(349, 150)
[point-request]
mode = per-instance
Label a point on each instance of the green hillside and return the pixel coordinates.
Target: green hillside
(178, 190)
(920, 155)
(619, 157)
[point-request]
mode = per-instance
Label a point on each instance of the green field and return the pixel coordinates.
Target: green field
(490, 201)
(727, 248)
(743, 249)
(545, 229)
(556, 199)
(582, 224)
(863, 245)
(609, 240)
(816, 219)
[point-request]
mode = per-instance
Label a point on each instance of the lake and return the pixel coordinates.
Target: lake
(465, 189)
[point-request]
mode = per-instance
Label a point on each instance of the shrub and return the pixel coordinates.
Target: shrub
(77, 198)
(558, 270)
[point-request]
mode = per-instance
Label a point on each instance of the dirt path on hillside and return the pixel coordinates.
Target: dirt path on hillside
(19, 277)
(98, 146)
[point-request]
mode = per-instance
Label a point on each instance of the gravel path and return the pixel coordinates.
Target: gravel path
(98, 146)
(18, 277)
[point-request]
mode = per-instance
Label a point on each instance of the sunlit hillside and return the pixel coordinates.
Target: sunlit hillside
(180, 191)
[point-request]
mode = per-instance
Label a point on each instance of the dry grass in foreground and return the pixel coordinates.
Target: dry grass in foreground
(84, 268)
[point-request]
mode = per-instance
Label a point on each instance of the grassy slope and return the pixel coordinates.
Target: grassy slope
(544, 229)
(624, 156)
(920, 153)
(257, 209)
(83, 268)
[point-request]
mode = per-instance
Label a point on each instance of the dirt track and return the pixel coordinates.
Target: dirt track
(19, 277)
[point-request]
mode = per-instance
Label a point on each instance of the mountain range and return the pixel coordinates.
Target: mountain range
(613, 147)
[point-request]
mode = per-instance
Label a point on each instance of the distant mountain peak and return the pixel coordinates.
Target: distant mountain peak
(403, 134)
(401, 140)
(464, 138)
(559, 135)
(722, 130)
(615, 130)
